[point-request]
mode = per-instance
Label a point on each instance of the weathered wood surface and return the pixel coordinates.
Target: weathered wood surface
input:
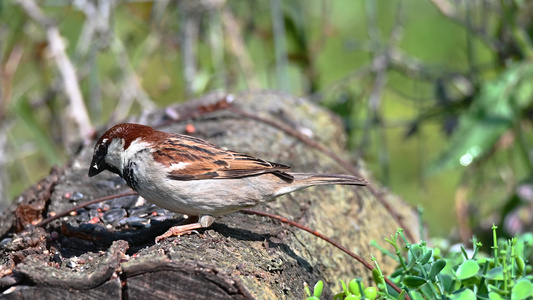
(239, 257)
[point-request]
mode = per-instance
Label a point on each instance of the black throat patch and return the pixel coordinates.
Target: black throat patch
(129, 175)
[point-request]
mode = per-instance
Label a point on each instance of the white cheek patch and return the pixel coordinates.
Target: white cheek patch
(179, 166)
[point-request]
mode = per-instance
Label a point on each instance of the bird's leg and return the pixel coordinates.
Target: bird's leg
(203, 222)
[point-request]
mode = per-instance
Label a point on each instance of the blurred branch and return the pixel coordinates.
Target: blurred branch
(216, 43)
(449, 10)
(381, 65)
(359, 73)
(520, 35)
(325, 27)
(189, 26)
(372, 23)
(7, 73)
(461, 212)
(95, 34)
(280, 45)
(68, 73)
(96, 25)
(237, 47)
(4, 178)
(131, 87)
(4, 98)
(445, 8)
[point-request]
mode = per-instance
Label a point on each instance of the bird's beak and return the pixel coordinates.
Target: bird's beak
(98, 165)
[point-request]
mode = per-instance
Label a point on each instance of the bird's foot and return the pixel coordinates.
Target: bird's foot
(203, 222)
(179, 231)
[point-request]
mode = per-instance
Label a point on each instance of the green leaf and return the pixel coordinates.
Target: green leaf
(521, 290)
(467, 269)
(474, 280)
(425, 259)
(317, 290)
(396, 273)
(355, 287)
(492, 113)
(339, 296)
(436, 267)
(344, 288)
(447, 282)
(371, 293)
(415, 252)
(402, 295)
(377, 275)
(464, 294)
(495, 296)
(520, 265)
(413, 281)
(416, 295)
(495, 274)
(524, 242)
(307, 291)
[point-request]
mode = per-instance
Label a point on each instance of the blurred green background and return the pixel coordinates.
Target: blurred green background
(436, 95)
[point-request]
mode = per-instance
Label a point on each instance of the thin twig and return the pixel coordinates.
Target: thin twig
(323, 237)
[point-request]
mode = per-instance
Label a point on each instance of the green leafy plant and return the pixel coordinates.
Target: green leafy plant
(355, 290)
(424, 273)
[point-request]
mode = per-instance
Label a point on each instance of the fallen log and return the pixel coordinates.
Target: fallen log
(107, 250)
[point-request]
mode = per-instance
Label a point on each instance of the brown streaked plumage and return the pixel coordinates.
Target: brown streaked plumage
(205, 160)
(188, 175)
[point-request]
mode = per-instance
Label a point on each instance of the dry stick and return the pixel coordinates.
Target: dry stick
(342, 162)
(325, 238)
(85, 204)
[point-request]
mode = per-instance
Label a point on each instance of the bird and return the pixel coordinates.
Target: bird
(190, 176)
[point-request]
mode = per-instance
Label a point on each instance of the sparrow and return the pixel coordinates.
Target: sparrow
(187, 175)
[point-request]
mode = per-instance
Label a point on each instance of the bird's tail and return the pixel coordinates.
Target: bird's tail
(303, 180)
(320, 179)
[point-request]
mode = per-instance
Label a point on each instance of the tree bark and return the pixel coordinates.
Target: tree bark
(241, 256)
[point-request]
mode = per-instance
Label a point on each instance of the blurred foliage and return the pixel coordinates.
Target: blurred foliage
(435, 94)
